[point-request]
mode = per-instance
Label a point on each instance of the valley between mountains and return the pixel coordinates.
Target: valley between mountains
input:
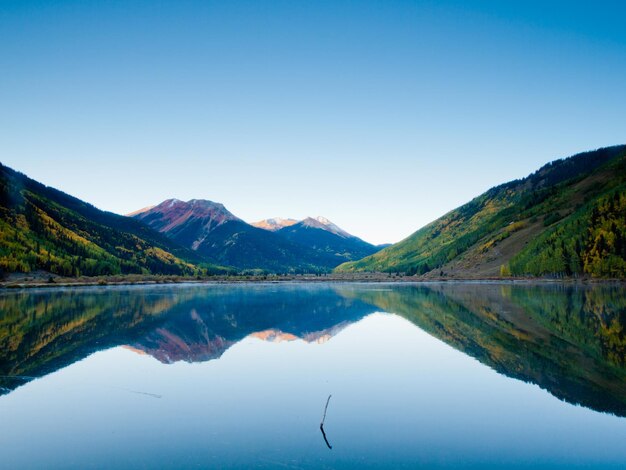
(566, 220)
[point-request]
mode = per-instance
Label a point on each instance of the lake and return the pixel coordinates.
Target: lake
(441, 375)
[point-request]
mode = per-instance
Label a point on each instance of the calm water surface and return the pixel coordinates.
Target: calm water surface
(454, 375)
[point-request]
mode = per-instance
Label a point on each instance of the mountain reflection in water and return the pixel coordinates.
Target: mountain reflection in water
(567, 339)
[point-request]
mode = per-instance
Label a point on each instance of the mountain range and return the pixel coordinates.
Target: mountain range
(567, 219)
(209, 229)
(44, 229)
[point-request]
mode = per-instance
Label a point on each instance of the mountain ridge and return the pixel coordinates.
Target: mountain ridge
(172, 217)
(42, 228)
(567, 219)
(327, 237)
(496, 233)
(311, 245)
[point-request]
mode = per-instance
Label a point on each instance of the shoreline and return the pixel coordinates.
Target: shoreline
(37, 281)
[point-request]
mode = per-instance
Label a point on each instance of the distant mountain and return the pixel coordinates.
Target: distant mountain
(243, 246)
(42, 228)
(325, 224)
(324, 236)
(566, 219)
(208, 228)
(213, 232)
(274, 224)
(189, 223)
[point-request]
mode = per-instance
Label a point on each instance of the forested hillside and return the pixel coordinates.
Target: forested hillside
(42, 228)
(566, 219)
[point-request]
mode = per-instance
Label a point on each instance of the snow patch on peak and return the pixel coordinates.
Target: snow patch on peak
(194, 206)
(168, 203)
(204, 202)
(323, 220)
(325, 224)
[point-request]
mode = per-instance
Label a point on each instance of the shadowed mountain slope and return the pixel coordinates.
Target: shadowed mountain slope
(326, 237)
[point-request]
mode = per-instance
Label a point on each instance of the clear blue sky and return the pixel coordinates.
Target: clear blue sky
(381, 116)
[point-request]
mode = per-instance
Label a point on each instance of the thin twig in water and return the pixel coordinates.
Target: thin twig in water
(325, 410)
(153, 395)
(27, 377)
(322, 423)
